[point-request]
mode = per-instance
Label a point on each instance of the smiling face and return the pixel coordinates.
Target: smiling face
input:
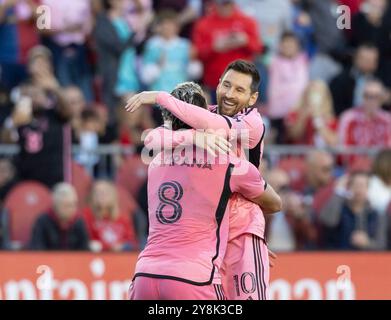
(234, 92)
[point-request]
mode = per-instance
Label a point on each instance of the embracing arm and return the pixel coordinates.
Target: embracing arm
(269, 201)
(247, 181)
(192, 115)
(161, 138)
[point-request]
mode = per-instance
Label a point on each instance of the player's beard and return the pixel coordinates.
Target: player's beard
(230, 107)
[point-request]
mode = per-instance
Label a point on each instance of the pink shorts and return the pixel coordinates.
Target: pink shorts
(145, 288)
(245, 269)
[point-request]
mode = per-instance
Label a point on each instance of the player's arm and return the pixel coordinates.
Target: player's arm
(162, 138)
(247, 181)
(192, 115)
(269, 200)
(197, 117)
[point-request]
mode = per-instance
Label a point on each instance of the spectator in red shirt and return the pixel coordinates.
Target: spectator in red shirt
(109, 229)
(223, 35)
(367, 125)
(313, 121)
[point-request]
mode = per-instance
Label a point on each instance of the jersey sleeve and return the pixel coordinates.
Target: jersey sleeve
(249, 124)
(199, 118)
(194, 116)
(165, 139)
(247, 180)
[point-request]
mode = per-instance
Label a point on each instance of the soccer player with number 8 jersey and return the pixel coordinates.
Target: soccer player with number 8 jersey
(189, 221)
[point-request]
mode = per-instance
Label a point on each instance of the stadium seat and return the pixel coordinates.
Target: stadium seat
(24, 203)
(82, 182)
(132, 174)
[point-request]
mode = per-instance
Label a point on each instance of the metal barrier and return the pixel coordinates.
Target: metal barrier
(108, 152)
(281, 150)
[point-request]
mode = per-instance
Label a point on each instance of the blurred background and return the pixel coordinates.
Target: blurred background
(71, 175)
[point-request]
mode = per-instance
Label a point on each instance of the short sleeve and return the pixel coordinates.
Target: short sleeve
(247, 180)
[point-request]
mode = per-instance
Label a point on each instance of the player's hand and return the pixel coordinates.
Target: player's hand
(140, 99)
(211, 142)
(272, 256)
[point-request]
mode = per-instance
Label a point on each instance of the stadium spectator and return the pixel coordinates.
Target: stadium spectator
(380, 181)
(71, 24)
(116, 54)
(330, 40)
(223, 35)
(39, 124)
(292, 228)
(347, 87)
(319, 166)
(312, 121)
(140, 16)
(17, 37)
(88, 138)
(354, 5)
(61, 228)
(273, 17)
(76, 103)
(303, 27)
(167, 58)
(372, 25)
(40, 69)
(188, 11)
(324, 15)
(288, 77)
(379, 194)
(369, 26)
(132, 126)
(367, 124)
(349, 222)
(109, 229)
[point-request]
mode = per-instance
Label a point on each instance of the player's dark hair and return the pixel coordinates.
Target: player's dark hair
(189, 92)
(248, 68)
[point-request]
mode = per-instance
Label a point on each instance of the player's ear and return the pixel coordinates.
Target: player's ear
(253, 98)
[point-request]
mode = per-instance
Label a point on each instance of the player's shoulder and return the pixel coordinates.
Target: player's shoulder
(240, 166)
(250, 114)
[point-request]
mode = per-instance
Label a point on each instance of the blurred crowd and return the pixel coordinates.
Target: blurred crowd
(65, 74)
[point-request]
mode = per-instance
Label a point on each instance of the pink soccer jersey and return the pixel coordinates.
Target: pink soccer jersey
(245, 216)
(188, 230)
